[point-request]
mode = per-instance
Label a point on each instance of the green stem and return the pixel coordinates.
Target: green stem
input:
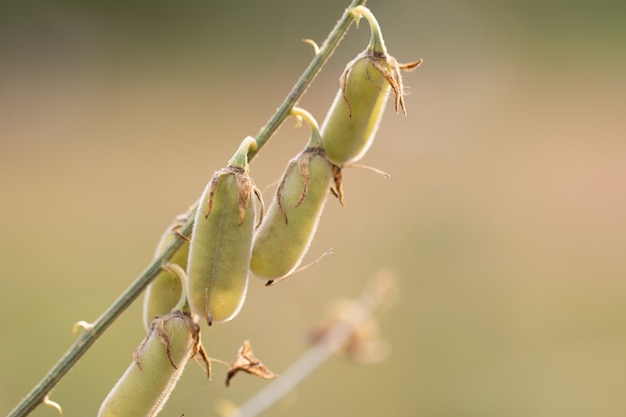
(325, 51)
(182, 276)
(377, 44)
(315, 140)
(240, 158)
(90, 335)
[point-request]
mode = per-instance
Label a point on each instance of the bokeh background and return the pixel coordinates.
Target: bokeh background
(504, 216)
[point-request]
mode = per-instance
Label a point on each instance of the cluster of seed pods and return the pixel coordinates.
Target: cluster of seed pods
(207, 278)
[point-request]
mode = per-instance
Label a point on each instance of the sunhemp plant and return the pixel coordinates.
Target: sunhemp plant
(199, 275)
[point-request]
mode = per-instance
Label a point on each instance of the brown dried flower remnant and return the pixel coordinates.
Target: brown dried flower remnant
(247, 362)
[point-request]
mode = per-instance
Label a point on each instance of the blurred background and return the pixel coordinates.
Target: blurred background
(504, 216)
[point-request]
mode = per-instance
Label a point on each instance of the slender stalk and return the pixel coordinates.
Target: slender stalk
(324, 53)
(90, 335)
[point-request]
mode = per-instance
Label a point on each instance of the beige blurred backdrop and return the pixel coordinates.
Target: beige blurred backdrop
(504, 216)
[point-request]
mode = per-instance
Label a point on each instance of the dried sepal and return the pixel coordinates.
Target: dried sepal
(158, 326)
(337, 188)
(246, 361)
(157, 365)
(246, 186)
(388, 67)
(302, 162)
(376, 55)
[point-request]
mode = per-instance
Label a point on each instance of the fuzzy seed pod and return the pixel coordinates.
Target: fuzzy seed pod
(355, 114)
(158, 363)
(221, 242)
(287, 230)
(164, 292)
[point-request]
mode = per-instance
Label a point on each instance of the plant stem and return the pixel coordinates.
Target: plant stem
(90, 335)
(324, 53)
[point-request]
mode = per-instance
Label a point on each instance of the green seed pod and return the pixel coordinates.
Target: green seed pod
(355, 114)
(288, 228)
(221, 241)
(158, 363)
(164, 292)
